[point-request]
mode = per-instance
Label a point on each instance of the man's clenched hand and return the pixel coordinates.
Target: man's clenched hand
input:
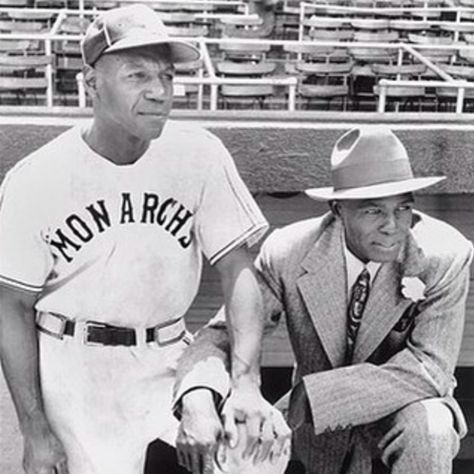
(199, 432)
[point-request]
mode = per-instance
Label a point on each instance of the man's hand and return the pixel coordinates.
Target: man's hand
(267, 432)
(199, 432)
(43, 452)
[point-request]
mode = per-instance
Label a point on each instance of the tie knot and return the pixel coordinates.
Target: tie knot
(364, 277)
(361, 286)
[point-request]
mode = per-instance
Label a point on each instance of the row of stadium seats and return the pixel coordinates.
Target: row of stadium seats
(320, 84)
(342, 74)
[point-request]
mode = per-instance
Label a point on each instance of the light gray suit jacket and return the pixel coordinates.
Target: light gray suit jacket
(403, 353)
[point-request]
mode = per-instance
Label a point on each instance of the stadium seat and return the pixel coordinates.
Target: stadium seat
(441, 55)
(328, 29)
(23, 21)
(22, 76)
(185, 94)
(51, 3)
(381, 36)
(370, 23)
(193, 31)
(14, 3)
(447, 96)
(314, 52)
(331, 35)
(32, 15)
(405, 27)
(237, 95)
(13, 46)
(402, 97)
(244, 51)
(177, 18)
(324, 82)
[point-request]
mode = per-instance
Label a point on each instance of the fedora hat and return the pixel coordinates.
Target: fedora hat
(370, 162)
(133, 26)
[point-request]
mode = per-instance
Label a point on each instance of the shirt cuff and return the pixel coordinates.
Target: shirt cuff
(209, 374)
(217, 398)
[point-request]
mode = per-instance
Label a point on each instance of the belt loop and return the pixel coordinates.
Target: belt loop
(52, 324)
(140, 335)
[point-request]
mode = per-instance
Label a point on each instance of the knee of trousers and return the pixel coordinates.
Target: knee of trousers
(430, 424)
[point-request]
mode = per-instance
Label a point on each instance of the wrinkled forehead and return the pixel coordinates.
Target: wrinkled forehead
(153, 56)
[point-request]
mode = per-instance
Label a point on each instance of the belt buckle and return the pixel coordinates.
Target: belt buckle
(85, 336)
(61, 329)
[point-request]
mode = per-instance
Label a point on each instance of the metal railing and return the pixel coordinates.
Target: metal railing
(206, 76)
(423, 13)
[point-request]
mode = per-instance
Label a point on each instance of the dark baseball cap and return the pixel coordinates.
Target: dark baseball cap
(130, 27)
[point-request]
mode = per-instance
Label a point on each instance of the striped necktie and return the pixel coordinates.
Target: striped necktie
(359, 295)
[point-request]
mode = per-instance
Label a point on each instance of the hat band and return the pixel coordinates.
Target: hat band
(356, 176)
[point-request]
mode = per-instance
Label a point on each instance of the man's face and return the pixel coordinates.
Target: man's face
(134, 91)
(375, 229)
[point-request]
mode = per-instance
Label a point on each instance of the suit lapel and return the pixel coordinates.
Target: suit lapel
(384, 307)
(323, 289)
(386, 303)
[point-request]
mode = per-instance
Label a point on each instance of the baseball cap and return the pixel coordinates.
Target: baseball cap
(130, 27)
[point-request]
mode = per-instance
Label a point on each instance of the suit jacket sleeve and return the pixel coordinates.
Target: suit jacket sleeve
(205, 363)
(365, 392)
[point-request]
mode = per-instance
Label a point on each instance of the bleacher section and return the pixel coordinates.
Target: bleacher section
(356, 55)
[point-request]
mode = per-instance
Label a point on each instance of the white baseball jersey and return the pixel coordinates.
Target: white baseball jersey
(122, 245)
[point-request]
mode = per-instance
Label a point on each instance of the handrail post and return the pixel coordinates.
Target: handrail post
(213, 97)
(200, 94)
(49, 73)
(81, 89)
(382, 96)
(460, 100)
(292, 96)
(400, 56)
(301, 27)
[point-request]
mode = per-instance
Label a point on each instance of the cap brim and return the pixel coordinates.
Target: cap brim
(181, 52)
(375, 191)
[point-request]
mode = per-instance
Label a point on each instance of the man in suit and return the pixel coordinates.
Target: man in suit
(374, 295)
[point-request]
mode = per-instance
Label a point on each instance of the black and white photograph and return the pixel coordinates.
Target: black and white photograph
(236, 237)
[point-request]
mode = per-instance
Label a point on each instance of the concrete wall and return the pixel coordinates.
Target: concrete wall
(276, 158)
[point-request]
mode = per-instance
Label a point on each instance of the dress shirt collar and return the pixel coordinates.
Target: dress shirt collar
(354, 266)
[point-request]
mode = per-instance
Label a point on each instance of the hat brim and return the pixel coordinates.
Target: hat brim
(181, 52)
(375, 191)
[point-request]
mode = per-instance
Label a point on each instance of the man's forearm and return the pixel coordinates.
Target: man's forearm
(244, 314)
(19, 357)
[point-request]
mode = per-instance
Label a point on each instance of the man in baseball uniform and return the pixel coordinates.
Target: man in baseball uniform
(102, 233)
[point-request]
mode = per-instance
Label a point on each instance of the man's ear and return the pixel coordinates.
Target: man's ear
(335, 207)
(90, 80)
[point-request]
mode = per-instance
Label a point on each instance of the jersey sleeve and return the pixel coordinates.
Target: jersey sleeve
(228, 216)
(25, 260)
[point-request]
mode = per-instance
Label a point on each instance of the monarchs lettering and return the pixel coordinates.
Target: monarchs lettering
(79, 228)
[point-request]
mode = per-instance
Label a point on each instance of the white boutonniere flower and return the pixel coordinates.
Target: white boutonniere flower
(413, 289)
